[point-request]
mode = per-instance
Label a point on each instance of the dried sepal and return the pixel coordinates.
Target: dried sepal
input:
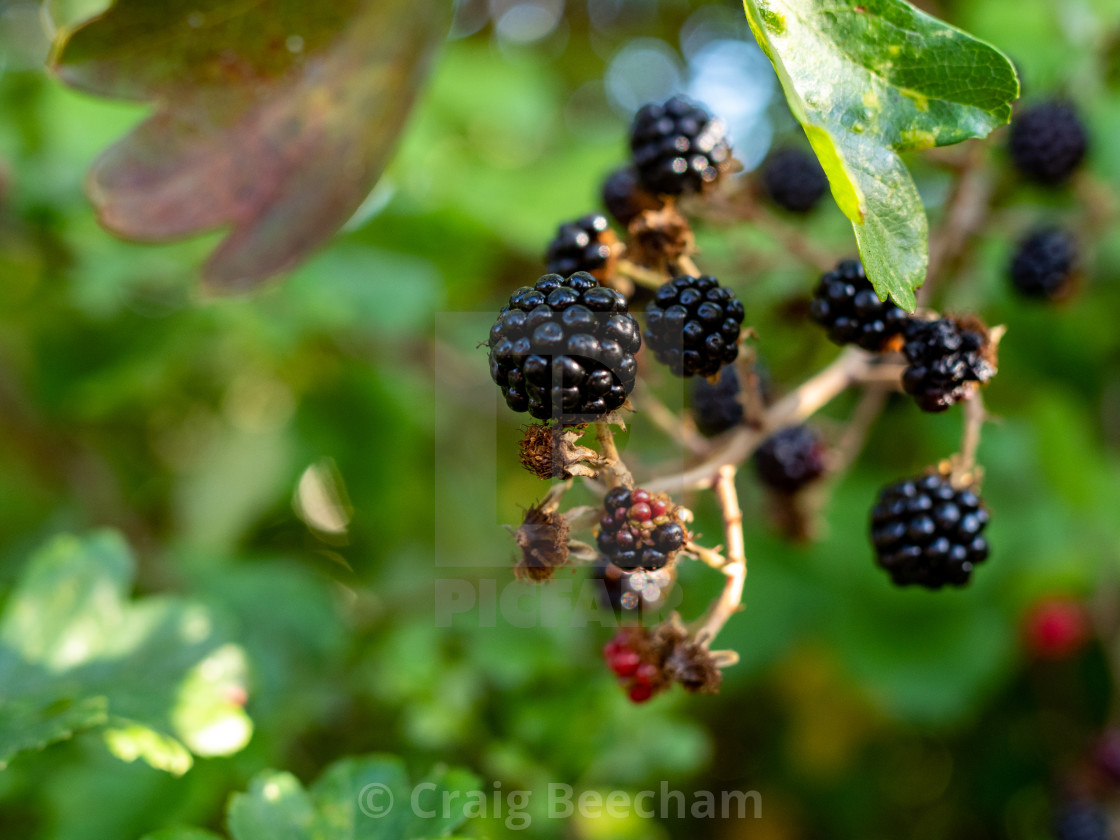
(553, 452)
(659, 238)
(543, 540)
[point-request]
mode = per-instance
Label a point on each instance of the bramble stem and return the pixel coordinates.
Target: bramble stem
(641, 275)
(687, 266)
(798, 405)
(735, 567)
(964, 464)
(617, 471)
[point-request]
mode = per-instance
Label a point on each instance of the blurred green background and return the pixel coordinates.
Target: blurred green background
(308, 463)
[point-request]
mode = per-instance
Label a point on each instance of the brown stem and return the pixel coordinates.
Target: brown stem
(685, 265)
(796, 406)
(680, 429)
(964, 470)
(735, 567)
(616, 470)
(641, 275)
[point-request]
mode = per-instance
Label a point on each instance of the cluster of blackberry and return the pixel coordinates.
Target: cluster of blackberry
(640, 530)
(845, 304)
(945, 357)
(564, 349)
(628, 658)
(928, 532)
(693, 326)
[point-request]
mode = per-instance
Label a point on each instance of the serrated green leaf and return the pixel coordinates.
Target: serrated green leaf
(868, 79)
(76, 654)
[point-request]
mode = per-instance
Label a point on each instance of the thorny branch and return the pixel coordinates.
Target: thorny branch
(735, 567)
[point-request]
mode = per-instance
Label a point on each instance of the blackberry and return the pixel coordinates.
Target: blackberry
(564, 349)
(678, 147)
(845, 304)
(944, 357)
(582, 245)
(794, 180)
(693, 325)
(1048, 142)
(624, 197)
(1081, 820)
(1044, 263)
(790, 459)
(717, 408)
(927, 532)
(639, 529)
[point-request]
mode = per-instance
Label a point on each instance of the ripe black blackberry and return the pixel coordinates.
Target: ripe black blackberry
(845, 304)
(927, 532)
(1044, 263)
(944, 357)
(1048, 142)
(1081, 820)
(717, 408)
(624, 197)
(794, 180)
(564, 349)
(582, 245)
(790, 459)
(678, 147)
(693, 325)
(639, 529)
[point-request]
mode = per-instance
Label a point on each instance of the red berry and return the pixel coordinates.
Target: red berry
(640, 512)
(1056, 628)
(625, 663)
(640, 692)
(646, 674)
(657, 507)
(639, 496)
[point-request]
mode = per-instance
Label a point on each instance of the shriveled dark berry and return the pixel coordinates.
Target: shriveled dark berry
(794, 179)
(927, 532)
(1044, 263)
(845, 304)
(717, 408)
(790, 459)
(678, 147)
(582, 245)
(1081, 820)
(693, 325)
(944, 357)
(1048, 141)
(625, 198)
(564, 349)
(639, 529)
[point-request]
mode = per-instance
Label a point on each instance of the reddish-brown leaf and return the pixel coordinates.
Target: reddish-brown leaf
(273, 118)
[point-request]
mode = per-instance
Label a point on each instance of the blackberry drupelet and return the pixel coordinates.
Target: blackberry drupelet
(564, 349)
(678, 147)
(1044, 264)
(794, 180)
(944, 357)
(630, 657)
(582, 245)
(845, 304)
(927, 532)
(640, 530)
(693, 325)
(625, 198)
(790, 459)
(717, 408)
(1048, 142)
(1081, 820)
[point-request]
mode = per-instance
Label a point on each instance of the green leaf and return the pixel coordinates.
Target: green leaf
(868, 79)
(181, 834)
(274, 118)
(364, 798)
(76, 654)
